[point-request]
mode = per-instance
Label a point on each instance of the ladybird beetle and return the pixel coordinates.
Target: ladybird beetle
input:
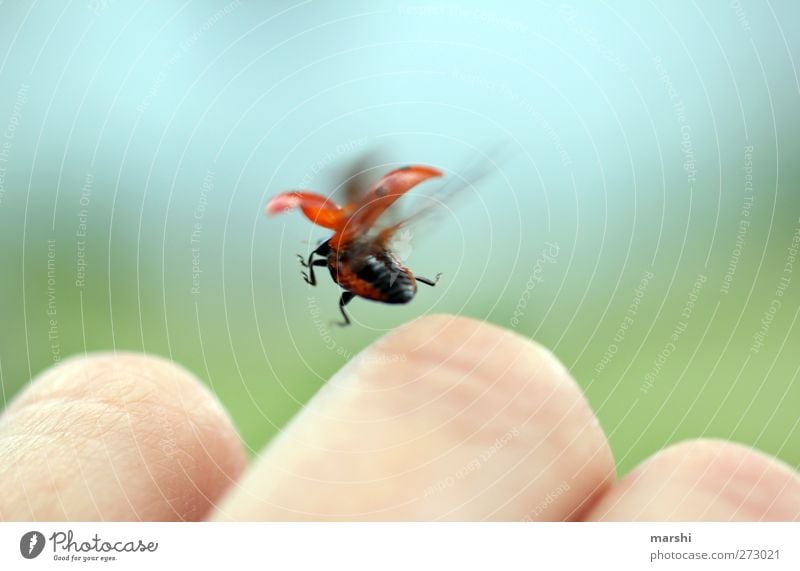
(358, 256)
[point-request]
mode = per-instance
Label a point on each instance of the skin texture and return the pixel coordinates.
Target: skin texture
(443, 419)
(122, 437)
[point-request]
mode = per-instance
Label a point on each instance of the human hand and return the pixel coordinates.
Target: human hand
(444, 418)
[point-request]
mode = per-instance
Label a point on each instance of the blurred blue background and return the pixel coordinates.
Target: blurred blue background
(642, 223)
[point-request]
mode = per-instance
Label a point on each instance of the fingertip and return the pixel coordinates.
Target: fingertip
(444, 339)
(444, 418)
(705, 480)
(116, 437)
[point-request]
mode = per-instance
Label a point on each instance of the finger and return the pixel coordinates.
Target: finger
(446, 418)
(115, 437)
(704, 480)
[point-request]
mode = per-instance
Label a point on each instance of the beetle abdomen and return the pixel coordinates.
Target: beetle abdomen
(378, 276)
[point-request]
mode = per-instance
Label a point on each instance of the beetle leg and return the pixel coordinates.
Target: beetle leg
(310, 278)
(322, 250)
(427, 281)
(344, 300)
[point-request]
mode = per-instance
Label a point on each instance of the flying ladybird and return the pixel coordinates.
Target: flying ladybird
(358, 255)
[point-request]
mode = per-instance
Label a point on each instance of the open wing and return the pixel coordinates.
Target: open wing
(363, 215)
(458, 182)
(357, 218)
(316, 207)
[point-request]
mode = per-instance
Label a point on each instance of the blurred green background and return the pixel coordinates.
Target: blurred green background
(643, 225)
